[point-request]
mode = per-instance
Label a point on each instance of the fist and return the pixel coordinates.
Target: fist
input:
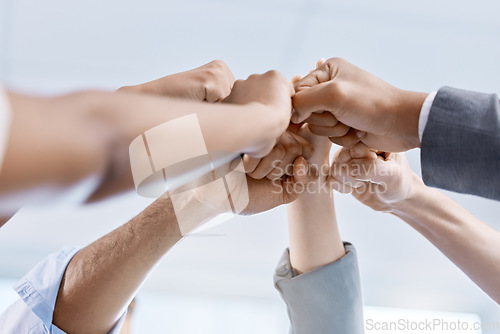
(211, 82)
(270, 93)
(380, 180)
(347, 104)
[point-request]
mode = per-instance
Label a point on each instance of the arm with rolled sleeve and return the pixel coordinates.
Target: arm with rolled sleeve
(33, 312)
(88, 291)
(460, 142)
(325, 300)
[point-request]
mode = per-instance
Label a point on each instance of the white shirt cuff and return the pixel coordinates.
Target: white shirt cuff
(424, 114)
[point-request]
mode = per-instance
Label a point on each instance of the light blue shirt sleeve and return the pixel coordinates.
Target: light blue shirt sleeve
(33, 312)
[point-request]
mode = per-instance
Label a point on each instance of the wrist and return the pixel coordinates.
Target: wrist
(263, 125)
(407, 107)
(419, 192)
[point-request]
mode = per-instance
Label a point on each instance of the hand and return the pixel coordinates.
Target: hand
(211, 82)
(271, 92)
(266, 194)
(280, 160)
(203, 195)
(380, 180)
(347, 104)
(263, 194)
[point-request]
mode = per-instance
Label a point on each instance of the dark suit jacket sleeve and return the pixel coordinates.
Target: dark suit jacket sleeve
(324, 300)
(461, 143)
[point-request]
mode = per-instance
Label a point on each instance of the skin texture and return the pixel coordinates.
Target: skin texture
(211, 82)
(314, 235)
(347, 104)
(101, 280)
(93, 138)
(386, 183)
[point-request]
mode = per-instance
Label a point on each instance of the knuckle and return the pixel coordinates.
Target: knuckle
(337, 60)
(295, 150)
(219, 64)
(273, 74)
(253, 76)
(256, 175)
(334, 90)
(280, 152)
(237, 83)
(315, 129)
(308, 150)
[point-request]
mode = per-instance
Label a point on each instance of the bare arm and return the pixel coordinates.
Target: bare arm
(385, 182)
(102, 279)
(314, 236)
(55, 142)
(471, 244)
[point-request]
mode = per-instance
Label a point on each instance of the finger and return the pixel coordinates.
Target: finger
(214, 93)
(302, 172)
(338, 130)
(360, 150)
(294, 128)
(307, 147)
(342, 156)
(339, 186)
(321, 74)
(269, 162)
(341, 172)
(293, 150)
(250, 163)
(320, 62)
(296, 78)
(349, 140)
(322, 96)
(369, 169)
(365, 194)
(324, 118)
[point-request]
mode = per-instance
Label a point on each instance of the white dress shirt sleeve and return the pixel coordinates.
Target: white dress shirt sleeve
(4, 123)
(424, 114)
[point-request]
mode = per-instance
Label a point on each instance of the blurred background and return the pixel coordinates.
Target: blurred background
(222, 282)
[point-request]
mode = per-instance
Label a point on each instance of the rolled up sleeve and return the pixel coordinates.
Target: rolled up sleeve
(325, 300)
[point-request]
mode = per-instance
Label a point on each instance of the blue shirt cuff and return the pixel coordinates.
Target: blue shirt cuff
(39, 288)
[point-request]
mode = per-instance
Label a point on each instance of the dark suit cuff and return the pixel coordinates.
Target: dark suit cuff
(461, 142)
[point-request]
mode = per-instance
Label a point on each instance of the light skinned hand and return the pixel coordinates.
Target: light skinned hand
(211, 82)
(280, 160)
(266, 194)
(380, 180)
(348, 104)
(271, 92)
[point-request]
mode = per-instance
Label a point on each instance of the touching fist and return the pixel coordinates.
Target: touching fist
(348, 104)
(380, 180)
(211, 82)
(270, 92)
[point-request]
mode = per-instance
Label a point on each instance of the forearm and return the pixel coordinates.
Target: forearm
(55, 142)
(52, 144)
(314, 236)
(101, 279)
(468, 242)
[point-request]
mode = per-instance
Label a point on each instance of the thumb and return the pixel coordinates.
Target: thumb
(315, 99)
(302, 172)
